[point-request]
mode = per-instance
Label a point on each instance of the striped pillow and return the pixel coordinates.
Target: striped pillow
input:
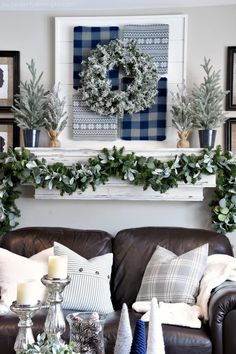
(170, 278)
(89, 289)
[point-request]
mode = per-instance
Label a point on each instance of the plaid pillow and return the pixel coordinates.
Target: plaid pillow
(170, 278)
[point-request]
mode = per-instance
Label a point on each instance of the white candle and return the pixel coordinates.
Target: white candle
(57, 267)
(26, 293)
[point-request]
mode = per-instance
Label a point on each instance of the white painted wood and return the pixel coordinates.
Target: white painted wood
(64, 68)
(65, 53)
(73, 5)
(122, 190)
(72, 155)
(176, 50)
(64, 24)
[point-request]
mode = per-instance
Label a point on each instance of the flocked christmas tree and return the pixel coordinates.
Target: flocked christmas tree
(207, 100)
(55, 117)
(181, 115)
(29, 108)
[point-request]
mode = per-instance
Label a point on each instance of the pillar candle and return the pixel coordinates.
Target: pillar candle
(57, 267)
(26, 293)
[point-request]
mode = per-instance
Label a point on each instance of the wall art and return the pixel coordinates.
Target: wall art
(230, 135)
(9, 78)
(9, 134)
(72, 41)
(231, 79)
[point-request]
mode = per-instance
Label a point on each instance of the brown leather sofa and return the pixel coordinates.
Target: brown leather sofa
(132, 249)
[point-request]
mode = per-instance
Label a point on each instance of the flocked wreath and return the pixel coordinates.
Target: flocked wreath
(96, 90)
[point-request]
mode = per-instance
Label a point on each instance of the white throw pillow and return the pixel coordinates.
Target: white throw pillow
(43, 256)
(89, 289)
(15, 269)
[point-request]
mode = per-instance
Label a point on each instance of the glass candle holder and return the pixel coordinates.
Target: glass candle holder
(55, 322)
(25, 334)
(86, 332)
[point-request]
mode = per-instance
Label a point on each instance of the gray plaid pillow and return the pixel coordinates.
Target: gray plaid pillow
(172, 278)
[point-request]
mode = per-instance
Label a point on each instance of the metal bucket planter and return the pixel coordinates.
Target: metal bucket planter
(207, 138)
(31, 137)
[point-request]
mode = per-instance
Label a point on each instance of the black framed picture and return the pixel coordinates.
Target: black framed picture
(230, 135)
(231, 79)
(9, 134)
(9, 78)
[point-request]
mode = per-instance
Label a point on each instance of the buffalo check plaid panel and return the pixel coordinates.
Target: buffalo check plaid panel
(149, 124)
(87, 38)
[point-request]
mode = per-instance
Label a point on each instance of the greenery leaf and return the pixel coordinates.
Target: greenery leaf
(222, 203)
(221, 217)
(20, 166)
(224, 211)
(233, 199)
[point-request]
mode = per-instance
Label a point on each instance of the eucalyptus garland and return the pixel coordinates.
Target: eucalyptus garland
(54, 345)
(96, 90)
(21, 166)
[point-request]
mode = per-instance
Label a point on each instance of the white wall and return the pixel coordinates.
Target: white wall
(210, 31)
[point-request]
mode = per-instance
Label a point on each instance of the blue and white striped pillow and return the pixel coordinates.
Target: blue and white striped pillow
(89, 289)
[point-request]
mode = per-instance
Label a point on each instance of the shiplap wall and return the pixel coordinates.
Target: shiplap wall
(64, 68)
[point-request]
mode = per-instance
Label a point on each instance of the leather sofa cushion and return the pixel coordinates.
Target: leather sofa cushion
(133, 248)
(30, 240)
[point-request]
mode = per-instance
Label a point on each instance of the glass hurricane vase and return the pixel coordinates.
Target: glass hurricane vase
(86, 332)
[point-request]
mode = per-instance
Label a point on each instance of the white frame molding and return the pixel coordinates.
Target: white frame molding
(64, 69)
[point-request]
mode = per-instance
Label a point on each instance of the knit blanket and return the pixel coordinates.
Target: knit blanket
(88, 125)
(175, 314)
(152, 39)
(220, 267)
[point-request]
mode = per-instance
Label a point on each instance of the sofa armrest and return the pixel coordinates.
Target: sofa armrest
(222, 318)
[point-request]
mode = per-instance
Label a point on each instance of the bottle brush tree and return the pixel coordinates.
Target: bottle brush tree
(29, 108)
(55, 117)
(207, 100)
(180, 110)
(181, 115)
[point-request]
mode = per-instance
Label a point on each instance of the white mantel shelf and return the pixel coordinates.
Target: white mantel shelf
(120, 190)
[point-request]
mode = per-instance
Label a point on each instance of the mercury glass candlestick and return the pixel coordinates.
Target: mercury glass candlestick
(25, 334)
(55, 321)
